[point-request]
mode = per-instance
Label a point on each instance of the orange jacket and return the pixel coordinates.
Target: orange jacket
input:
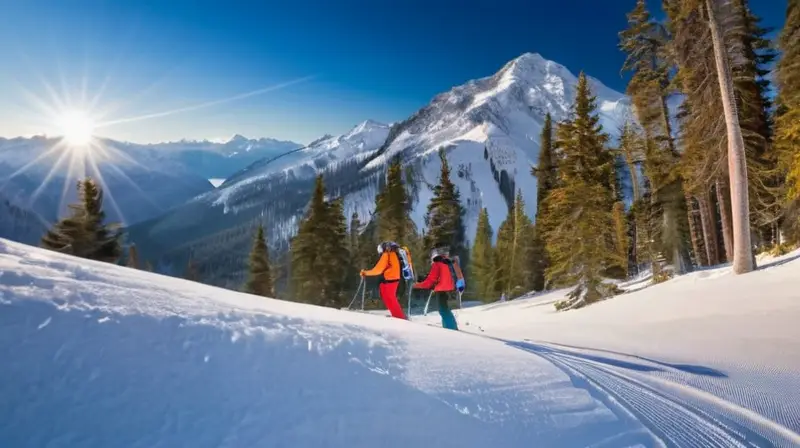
(388, 265)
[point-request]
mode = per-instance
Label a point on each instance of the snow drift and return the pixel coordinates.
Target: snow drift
(99, 355)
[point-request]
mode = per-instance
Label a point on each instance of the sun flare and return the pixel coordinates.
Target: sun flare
(77, 127)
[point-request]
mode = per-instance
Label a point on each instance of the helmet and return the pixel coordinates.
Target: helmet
(380, 248)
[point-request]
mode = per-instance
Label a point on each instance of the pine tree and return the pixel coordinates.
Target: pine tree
(502, 265)
(663, 208)
(632, 150)
(83, 233)
(319, 252)
(546, 179)
(445, 216)
(338, 255)
(579, 210)
(260, 279)
(621, 236)
(721, 54)
(133, 257)
(191, 271)
(308, 257)
(392, 207)
(787, 122)
(354, 243)
(482, 267)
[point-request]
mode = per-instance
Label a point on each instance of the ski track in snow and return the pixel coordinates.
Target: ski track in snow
(676, 414)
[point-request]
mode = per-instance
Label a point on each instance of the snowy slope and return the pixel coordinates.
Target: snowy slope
(100, 355)
(709, 337)
(20, 224)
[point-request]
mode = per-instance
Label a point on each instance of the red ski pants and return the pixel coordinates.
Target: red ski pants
(388, 292)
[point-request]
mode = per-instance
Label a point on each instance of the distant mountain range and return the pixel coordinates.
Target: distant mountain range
(141, 181)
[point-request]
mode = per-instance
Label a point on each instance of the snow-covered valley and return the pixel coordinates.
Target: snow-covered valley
(101, 355)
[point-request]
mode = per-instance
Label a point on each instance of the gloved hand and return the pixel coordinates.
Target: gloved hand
(460, 285)
(363, 273)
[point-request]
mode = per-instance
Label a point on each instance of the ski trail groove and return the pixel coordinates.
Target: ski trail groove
(672, 420)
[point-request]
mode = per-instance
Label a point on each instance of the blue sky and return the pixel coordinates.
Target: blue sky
(376, 59)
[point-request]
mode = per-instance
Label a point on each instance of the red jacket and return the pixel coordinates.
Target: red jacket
(439, 279)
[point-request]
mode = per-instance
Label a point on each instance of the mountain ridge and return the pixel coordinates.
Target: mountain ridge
(489, 127)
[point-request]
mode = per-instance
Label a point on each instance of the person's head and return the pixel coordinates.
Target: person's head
(439, 253)
(385, 247)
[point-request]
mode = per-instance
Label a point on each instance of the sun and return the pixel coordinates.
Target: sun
(77, 127)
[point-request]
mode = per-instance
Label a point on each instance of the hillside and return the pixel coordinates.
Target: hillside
(108, 356)
(20, 224)
(489, 128)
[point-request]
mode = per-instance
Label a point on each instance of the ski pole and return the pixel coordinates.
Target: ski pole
(425, 313)
(363, 293)
(410, 290)
(356, 294)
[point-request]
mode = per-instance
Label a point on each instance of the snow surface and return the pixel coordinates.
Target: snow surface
(99, 355)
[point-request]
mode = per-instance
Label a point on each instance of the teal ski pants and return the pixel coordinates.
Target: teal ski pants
(448, 319)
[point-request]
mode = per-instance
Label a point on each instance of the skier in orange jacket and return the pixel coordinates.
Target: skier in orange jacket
(389, 267)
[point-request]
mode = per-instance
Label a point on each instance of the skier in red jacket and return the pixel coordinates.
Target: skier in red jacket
(441, 280)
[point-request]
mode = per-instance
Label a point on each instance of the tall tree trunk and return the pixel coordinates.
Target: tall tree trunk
(710, 240)
(725, 217)
(667, 125)
(699, 252)
(737, 165)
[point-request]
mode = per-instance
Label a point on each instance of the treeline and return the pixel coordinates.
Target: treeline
(714, 181)
(327, 253)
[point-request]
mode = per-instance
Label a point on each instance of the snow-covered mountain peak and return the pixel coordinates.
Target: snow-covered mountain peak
(238, 138)
(367, 126)
(491, 128)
